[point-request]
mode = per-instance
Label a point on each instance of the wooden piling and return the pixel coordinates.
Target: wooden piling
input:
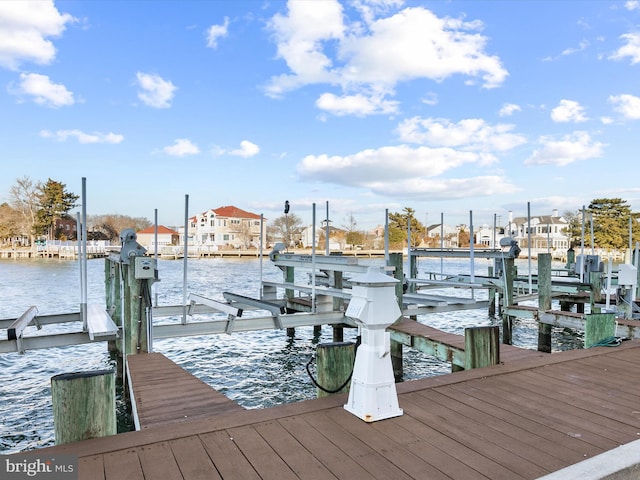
(136, 340)
(595, 297)
(544, 300)
(84, 405)
(508, 271)
(113, 299)
(338, 306)
(492, 295)
(334, 364)
(598, 327)
(395, 260)
(481, 347)
(413, 272)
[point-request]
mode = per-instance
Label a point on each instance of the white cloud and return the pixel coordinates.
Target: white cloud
(631, 49)
(214, 32)
(247, 149)
(402, 170)
(627, 105)
(385, 165)
(509, 109)
(357, 104)
(571, 148)
(82, 137)
(371, 59)
(430, 98)
(632, 5)
(155, 91)
(581, 46)
(181, 147)
(568, 111)
(447, 188)
(471, 134)
(24, 30)
(43, 91)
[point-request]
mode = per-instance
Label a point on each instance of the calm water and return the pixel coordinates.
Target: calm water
(257, 370)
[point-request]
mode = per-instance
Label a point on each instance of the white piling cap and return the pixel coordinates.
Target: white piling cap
(374, 277)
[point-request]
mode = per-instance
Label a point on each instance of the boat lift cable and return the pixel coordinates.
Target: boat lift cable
(315, 382)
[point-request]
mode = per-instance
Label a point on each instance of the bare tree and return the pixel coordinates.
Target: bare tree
(24, 198)
(286, 227)
(9, 223)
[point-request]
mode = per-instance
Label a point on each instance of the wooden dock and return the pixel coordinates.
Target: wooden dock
(446, 346)
(518, 420)
(162, 393)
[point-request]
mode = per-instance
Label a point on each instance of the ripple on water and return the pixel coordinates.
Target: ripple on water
(255, 369)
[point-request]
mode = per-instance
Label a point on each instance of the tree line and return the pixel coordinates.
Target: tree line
(610, 220)
(38, 210)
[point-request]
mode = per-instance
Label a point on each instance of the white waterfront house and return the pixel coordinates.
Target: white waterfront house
(223, 228)
(337, 237)
(547, 232)
(166, 237)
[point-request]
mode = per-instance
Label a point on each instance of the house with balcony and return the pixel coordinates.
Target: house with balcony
(224, 228)
(547, 232)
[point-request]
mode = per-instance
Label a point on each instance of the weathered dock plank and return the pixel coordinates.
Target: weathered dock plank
(162, 392)
(447, 346)
(518, 420)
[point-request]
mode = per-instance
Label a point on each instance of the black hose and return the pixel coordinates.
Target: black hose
(313, 380)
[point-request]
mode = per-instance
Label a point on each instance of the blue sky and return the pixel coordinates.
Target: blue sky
(440, 106)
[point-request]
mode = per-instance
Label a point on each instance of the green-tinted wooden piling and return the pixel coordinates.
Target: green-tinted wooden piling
(544, 300)
(135, 314)
(598, 327)
(481, 347)
(395, 260)
(334, 364)
(509, 273)
(84, 405)
(595, 297)
(571, 259)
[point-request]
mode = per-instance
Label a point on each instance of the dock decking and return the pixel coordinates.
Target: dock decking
(163, 392)
(519, 420)
(447, 346)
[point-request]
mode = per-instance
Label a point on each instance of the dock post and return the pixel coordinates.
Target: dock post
(598, 327)
(413, 272)
(84, 405)
(481, 347)
(571, 259)
(334, 364)
(595, 279)
(136, 340)
(395, 260)
(492, 295)
(338, 306)
(544, 300)
(289, 276)
(508, 271)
